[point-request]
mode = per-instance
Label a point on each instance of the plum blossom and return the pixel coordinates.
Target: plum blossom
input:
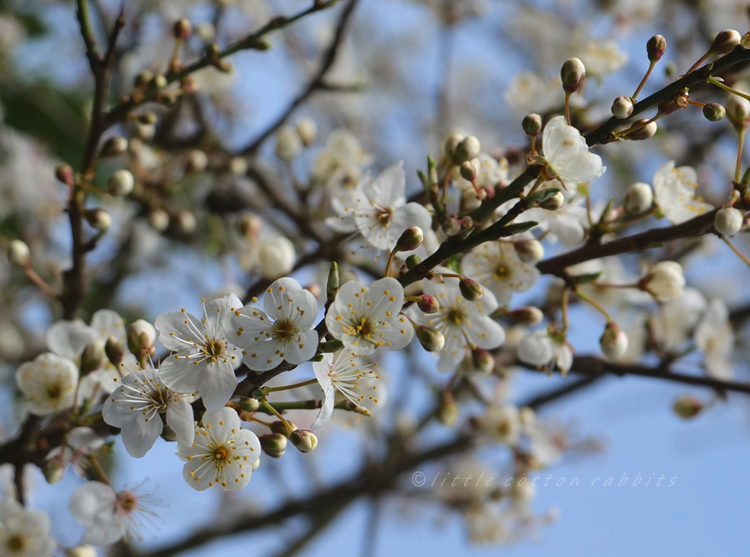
(23, 532)
(378, 209)
(367, 317)
(497, 267)
(466, 325)
(341, 161)
(283, 330)
(48, 383)
(544, 350)
(675, 192)
(222, 455)
(81, 443)
(502, 422)
(715, 338)
(672, 325)
(529, 92)
(202, 360)
(567, 154)
(135, 407)
(348, 374)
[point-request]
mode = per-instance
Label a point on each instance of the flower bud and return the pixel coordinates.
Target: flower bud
(469, 170)
(638, 198)
(412, 261)
(275, 257)
(553, 203)
(250, 225)
(120, 183)
(143, 79)
(308, 131)
(249, 404)
(19, 254)
(182, 29)
(411, 239)
(451, 143)
(273, 444)
(141, 338)
(738, 112)
(280, 427)
(482, 361)
(527, 315)
(53, 469)
(728, 221)
(430, 338)
(98, 219)
(529, 251)
(148, 117)
(159, 220)
(687, 406)
(114, 146)
(64, 173)
(664, 281)
(656, 47)
(470, 289)
(333, 282)
(448, 411)
(304, 440)
(115, 351)
(144, 132)
(468, 149)
(646, 132)
(451, 226)
(572, 74)
(713, 112)
(238, 166)
(81, 551)
(159, 82)
(428, 304)
(185, 222)
(288, 144)
(532, 124)
(614, 342)
(725, 41)
(745, 41)
(93, 357)
(197, 161)
(622, 108)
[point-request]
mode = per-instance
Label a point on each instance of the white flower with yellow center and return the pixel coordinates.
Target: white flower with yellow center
(567, 154)
(48, 383)
(529, 92)
(24, 533)
(544, 351)
(675, 192)
(348, 374)
(135, 405)
(222, 455)
(281, 331)
(202, 359)
(368, 317)
(466, 325)
(497, 267)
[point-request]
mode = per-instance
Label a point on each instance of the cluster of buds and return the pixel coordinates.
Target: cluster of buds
(291, 139)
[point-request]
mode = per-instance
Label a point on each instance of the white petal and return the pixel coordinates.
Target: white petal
(180, 419)
(176, 328)
(92, 501)
(181, 374)
(222, 423)
(108, 323)
(216, 384)
(69, 338)
(139, 433)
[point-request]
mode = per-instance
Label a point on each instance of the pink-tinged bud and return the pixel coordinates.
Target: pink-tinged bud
(622, 108)
(738, 112)
(114, 146)
(280, 427)
(115, 351)
(448, 411)
(428, 304)
(572, 73)
(725, 42)
(713, 112)
(468, 149)
(430, 338)
(469, 170)
(304, 440)
(471, 289)
(482, 361)
(64, 173)
(182, 29)
(614, 342)
(656, 47)
(411, 239)
(687, 406)
(273, 444)
(728, 221)
(250, 225)
(451, 226)
(527, 315)
(19, 254)
(554, 202)
(532, 125)
(412, 261)
(529, 251)
(646, 132)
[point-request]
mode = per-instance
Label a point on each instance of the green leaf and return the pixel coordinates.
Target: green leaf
(584, 279)
(517, 228)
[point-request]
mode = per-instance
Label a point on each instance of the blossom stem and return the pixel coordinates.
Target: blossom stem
(567, 107)
(588, 300)
(698, 62)
(735, 250)
(588, 209)
(445, 184)
(727, 88)
(696, 103)
(39, 281)
(564, 307)
(532, 150)
(390, 261)
(740, 145)
(643, 81)
(609, 285)
(623, 221)
(276, 413)
(257, 421)
(292, 386)
(99, 470)
(539, 182)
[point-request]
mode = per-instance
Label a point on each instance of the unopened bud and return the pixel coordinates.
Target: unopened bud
(121, 183)
(143, 79)
(527, 315)
(333, 282)
(656, 47)
(448, 411)
(249, 404)
(665, 281)
(159, 220)
(451, 143)
(280, 427)
(273, 444)
(482, 361)
(622, 108)
(468, 149)
(115, 351)
(428, 304)
(471, 289)
(725, 41)
(238, 166)
(469, 170)
(430, 338)
(646, 132)
(728, 221)
(529, 251)
(53, 469)
(288, 144)
(412, 261)
(249, 224)
(411, 239)
(572, 74)
(159, 82)
(182, 29)
(19, 254)
(64, 173)
(185, 222)
(745, 41)
(262, 44)
(532, 124)
(149, 118)
(614, 342)
(638, 198)
(452, 226)
(81, 551)
(308, 131)
(114, 146)
(738, 112)
(304, 440)
(98, 219)
(145, 132)
(553, 203)
(93, 357)
(197, 161)
(713, 112)
(141, 338)
(687, 406)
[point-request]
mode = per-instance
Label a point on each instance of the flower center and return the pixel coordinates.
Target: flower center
(454, 316)
(54, 391)
(221, 453)
(16, 543)
(127, 502)
(502, 272)
(364, 327)
(385, 215)
(284, 329)
(215, 349)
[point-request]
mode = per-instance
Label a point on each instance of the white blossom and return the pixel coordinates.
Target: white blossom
(672, 324)
(664, 281)
(567, 154)
(497, 267)
(367, 317)
(502, 423)
(341, 161)
(274, 257)
(23, 532)
(675, 192)
(544, 350)
(283, 330)
(202, 360)
(48, 383)
(602, 58)
(80, 444)
(222, 455)
(715, 338)
(529, 92)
